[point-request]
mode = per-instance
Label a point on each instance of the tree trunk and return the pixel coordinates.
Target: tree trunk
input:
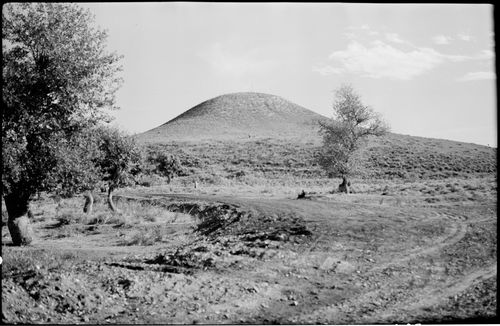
(19, 227)
(345, 185)
(89, 203)
(111, 204)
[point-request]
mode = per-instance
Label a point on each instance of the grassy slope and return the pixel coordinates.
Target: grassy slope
(392, 157)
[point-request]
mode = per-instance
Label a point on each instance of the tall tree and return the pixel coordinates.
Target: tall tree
(345, 134)
(58, 79)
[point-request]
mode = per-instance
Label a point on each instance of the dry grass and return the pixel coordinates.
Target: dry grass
(20, 262)
(269, 162)
(445, 190)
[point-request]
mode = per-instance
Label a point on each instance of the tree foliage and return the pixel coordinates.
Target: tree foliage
(58, 79)
(345, 134)
(77, 169)
(119, 160)
(163, 164)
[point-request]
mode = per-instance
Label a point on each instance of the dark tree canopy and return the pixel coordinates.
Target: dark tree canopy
(77, 159)
(120, 158)
(58, 79)
(345, 134)
(163, 164)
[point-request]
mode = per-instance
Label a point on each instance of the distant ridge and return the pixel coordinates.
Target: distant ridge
(239, 116)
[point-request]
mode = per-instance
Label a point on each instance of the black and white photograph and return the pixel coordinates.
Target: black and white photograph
(292, 163)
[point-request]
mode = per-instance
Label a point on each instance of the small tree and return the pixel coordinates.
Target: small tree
(58, 78)
(93, 158)
(164, 164)
(77, 170)
(119, 161)
(343, 137)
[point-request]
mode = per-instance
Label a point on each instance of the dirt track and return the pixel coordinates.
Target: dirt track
(327, 260)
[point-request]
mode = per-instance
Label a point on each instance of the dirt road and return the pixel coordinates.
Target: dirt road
(335, 260)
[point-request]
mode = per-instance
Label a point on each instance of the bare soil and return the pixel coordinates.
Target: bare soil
(335, 259)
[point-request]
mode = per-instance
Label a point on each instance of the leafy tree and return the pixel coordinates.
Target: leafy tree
(164, 164)
(119, 161)
(58, 79)
(94, 158)
(77, 169)
(344, 135)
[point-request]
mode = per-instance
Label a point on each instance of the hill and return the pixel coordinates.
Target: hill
(240, 116)
(243, 136)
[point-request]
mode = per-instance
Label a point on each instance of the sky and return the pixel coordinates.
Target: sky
(429, 69)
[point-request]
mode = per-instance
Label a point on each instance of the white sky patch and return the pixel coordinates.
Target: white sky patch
(485, 55)
(478, 75)
(384, 61)
(441, 39)
(354, 32)
(227, 62)
(364, 27)
(327, 70)
(464, 37)
(393, 37)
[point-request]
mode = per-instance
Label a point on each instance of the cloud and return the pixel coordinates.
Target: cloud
(478, 75)
(392, 58)
(229, 62)
(393, 37)
(485, 55)
(464, 37)
(382, 60)
(441, 39)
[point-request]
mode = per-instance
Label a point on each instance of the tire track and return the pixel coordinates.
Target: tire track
(427, 297)
(460, 217)
(458, 231)
(449, 216)
(435, 296)
(319, 216)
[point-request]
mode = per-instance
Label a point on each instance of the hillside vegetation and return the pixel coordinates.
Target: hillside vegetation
(394, 157)
(245, 135)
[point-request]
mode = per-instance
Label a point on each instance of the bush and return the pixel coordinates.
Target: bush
(145, 237)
